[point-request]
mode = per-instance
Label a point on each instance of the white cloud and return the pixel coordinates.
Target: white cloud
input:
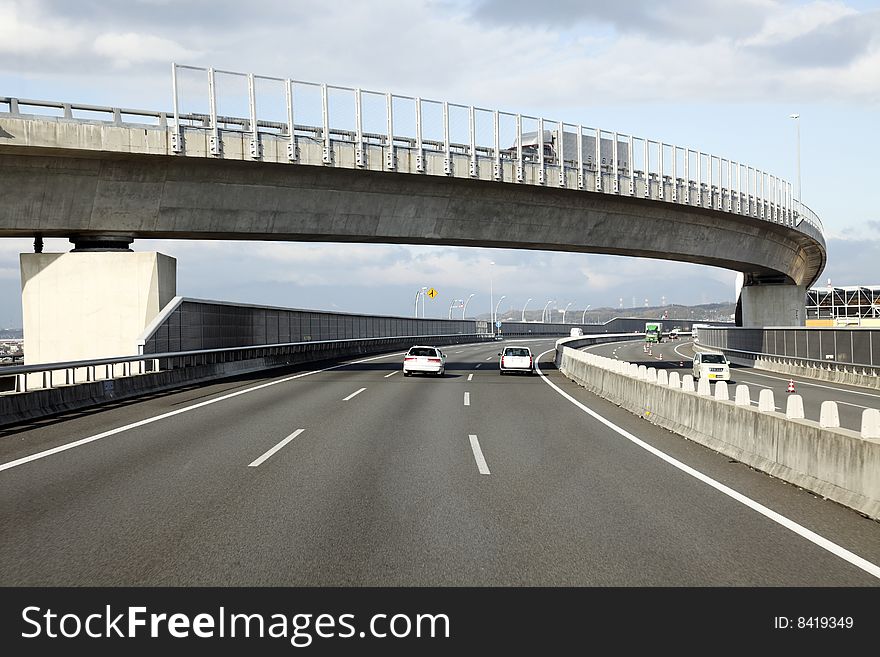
(130, 47)
(22, 33)
(786, 22)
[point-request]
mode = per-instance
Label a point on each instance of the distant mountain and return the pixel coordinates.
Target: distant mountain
(708, 312)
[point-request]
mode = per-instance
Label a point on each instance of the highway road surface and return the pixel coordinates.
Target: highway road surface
(350, 474)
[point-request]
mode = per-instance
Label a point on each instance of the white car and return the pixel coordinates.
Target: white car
(516, 359)
(714, 365)
(425, 359)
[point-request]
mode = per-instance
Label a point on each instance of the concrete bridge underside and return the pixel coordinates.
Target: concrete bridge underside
(53, 192)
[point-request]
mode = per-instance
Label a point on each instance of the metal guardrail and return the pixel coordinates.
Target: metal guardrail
(151, 363)
(600, 160)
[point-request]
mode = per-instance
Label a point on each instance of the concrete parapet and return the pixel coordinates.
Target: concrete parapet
(742, 396)
(651, 375)
(721, 393)
(832, 462)
(642, 372)
(766, 402)
(871, 423)
(687, 383)
(828, 415)
(662, 378)
(703, 387)
(794, 407)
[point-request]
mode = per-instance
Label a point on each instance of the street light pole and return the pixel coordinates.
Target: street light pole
(584, 317)
(491, 297)
(464, 310)
(566, 310)
(495, 314)
(416, 306)
(424, 294)
(524, 309)
(544, 312)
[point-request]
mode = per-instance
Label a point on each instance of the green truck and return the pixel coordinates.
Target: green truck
(653, 332)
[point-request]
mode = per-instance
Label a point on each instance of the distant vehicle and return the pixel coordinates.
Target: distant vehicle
(425, 359)
(498, 336)
(714, 365)
(516, 359)
(653, 332)
(673, 334)
(576, 332)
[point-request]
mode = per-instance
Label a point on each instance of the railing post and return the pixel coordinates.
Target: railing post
(291, 127)
(447, 154)
(256, 147)
(420, 148)
(176, 141)
(580, 158)
(390, 157)
(473, 142)
(327, 149)
(541, 170)
(519, 150)
(216, 146)
(496, 169)
(360, 159)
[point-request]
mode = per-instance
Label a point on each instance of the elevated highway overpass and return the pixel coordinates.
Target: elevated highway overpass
(312, 162)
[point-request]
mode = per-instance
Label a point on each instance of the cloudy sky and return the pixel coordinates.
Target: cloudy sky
(718, 75)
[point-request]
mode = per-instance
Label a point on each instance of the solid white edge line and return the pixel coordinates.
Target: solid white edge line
(478, 455)
(470, 376)
(824, 543)
(392, 374)
(265, 456)
(467, 399)
(163, 416)
(356, 392)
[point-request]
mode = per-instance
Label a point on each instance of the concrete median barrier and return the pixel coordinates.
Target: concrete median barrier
(836, 463)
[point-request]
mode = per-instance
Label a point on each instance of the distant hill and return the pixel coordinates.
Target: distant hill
(11, 334)
(707, 312)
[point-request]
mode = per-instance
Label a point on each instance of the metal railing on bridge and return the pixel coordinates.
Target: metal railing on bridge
(491, 144)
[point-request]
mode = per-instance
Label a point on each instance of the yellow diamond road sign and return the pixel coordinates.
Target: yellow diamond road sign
(432, 293)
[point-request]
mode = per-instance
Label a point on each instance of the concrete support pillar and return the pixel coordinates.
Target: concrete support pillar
(91, 304)
(773, 305)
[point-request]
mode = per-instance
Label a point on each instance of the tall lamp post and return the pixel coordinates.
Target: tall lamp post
(416, 306)
(424, 294)
(495, 314)
(584, 317)
(464, 310)
(451, 306)
(566, 310)
(524, 309)
(491, 298)
(544, 312)
(797, 120)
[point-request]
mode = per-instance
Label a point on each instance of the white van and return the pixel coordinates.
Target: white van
(576, 332)
(714, 365)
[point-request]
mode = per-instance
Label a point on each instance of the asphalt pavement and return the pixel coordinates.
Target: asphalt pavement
(350, 474)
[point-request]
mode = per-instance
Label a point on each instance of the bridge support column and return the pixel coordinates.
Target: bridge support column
(91, 304)
(772, 305)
